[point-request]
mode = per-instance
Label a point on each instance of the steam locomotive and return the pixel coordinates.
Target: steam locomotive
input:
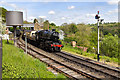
(45, 39)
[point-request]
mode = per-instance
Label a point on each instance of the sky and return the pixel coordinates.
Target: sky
(65, 11)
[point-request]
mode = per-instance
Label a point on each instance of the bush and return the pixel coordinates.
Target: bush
(107, 60)
(95, 57)
(84, 54)
(90, 49)
(68, 39)
(118, 62)
(110, 46)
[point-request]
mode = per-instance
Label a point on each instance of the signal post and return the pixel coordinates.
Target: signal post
(97, 17)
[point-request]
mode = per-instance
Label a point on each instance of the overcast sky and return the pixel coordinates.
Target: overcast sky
(65, 11)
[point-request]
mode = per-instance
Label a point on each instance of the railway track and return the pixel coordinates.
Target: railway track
(92, 67)
(57, 64)
(73, 66)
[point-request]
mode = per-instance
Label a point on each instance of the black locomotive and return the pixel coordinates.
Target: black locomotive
(48, 40)
(45, 39)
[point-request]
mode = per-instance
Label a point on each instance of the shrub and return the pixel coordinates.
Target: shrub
(95, 57)
(107, 60)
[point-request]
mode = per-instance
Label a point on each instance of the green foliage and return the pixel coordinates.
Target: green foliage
(27, 28)
(73, 28)
(91, 55)
(86, 35)
(109, 41)
(3, 28)
(79, 33)
(35, 20)
(110, 46)
(95, 57)
(118, 33)
(69, 48)
(69, 28)
(69, 39)
(16, 64)
(93, 40)
(110, 28)
(26, 22)
(119, 51)
(3, 12)
(82, 36)
(12, 29)
(108, 60)
(52, 24)
(46, 25)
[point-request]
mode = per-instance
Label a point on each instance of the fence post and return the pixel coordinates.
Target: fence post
(1, 58)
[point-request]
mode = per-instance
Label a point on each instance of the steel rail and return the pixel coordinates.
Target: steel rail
(95, 66)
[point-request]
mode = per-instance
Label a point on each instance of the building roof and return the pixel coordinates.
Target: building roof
(24, 25)
(28, 25)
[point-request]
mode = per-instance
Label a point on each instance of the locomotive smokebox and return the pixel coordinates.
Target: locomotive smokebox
(14, 18)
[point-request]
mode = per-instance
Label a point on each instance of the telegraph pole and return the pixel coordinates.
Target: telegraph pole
(15, 35)
(26, 43)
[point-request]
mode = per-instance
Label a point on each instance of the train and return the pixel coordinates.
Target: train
(44, 39)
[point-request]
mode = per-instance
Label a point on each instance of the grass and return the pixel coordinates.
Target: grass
(77, 51)
(17, 64)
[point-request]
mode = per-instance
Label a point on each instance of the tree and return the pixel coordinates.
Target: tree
(82, 36)
(110, 46)
(52, 24)
(3, 12)
(26, 22)
(46, 25)
(72, 28)
(2, 28)
(35, 20)
(119, 32)
(69, 28)
(65, 28)
(93, 39)
(64, 24)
